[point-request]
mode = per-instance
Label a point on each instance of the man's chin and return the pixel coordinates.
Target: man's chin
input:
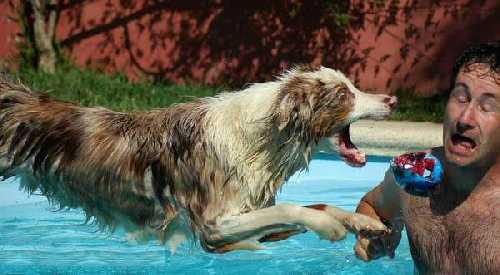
(460, 155)
(459, 158)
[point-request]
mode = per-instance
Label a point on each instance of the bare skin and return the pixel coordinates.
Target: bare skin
(455, 229)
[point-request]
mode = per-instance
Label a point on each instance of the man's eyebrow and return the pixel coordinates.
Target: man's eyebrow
(463, 85)
(467, 90)
(489, 95)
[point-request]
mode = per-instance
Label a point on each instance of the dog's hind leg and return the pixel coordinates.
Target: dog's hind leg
(274, 220)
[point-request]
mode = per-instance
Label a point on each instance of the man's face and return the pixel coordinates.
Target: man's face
(472, 121)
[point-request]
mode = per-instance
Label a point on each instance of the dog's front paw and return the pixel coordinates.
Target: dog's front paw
(364, 225)
(330, 230)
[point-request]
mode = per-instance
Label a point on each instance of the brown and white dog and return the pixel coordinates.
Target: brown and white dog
(208, 169)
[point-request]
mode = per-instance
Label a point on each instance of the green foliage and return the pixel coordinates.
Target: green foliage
(90, 88)
(417, 108)
(336, 12)
(340, 12)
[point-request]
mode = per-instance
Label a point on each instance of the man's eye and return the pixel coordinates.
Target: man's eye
(462, 98)
(489, 106)
(459, 95)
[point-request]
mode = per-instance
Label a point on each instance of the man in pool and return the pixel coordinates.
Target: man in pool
(455, 228)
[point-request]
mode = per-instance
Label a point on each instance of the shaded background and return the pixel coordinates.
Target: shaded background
(385, 45)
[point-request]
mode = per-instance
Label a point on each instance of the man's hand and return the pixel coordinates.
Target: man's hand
(373, 247)
(383, 203)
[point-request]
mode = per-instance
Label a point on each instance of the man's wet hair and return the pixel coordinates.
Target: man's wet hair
(487, 53)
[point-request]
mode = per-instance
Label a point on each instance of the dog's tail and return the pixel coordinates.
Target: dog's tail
(10, 89)
(34, 140)
(30, 126)
(89, 158)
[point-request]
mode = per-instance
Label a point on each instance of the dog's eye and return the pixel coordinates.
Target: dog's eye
(342, 92)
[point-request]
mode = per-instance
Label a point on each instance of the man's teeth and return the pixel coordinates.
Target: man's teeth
(463, 141)
(465, 144)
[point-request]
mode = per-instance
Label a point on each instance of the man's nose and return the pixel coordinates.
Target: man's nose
(467, 119)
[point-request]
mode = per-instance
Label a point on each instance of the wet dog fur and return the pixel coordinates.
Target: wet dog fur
(208, 169)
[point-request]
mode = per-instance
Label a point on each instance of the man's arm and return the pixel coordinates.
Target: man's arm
(383, 203)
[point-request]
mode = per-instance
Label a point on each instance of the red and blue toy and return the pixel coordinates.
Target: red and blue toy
(417, 173)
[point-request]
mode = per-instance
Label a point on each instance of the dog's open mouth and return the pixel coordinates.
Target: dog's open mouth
(348, 151)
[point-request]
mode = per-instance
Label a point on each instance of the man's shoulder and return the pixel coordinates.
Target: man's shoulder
(488, 190)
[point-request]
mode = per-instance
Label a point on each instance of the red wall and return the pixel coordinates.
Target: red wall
(10, 33)
(410, 44)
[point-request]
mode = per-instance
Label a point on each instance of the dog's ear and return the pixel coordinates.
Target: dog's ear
(289, 111)
(309, 109)
(283, 115)
(295, 108)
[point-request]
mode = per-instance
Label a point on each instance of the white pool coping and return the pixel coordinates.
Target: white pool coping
(392, 138)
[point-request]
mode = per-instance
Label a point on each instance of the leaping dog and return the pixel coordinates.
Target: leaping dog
(209, 168)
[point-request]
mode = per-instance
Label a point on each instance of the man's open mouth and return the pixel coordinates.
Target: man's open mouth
(462, 144)
(348, 151)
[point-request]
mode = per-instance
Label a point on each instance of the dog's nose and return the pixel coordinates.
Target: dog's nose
(391, 101)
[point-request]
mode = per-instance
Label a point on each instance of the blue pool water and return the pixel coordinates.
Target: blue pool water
(35, 238)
